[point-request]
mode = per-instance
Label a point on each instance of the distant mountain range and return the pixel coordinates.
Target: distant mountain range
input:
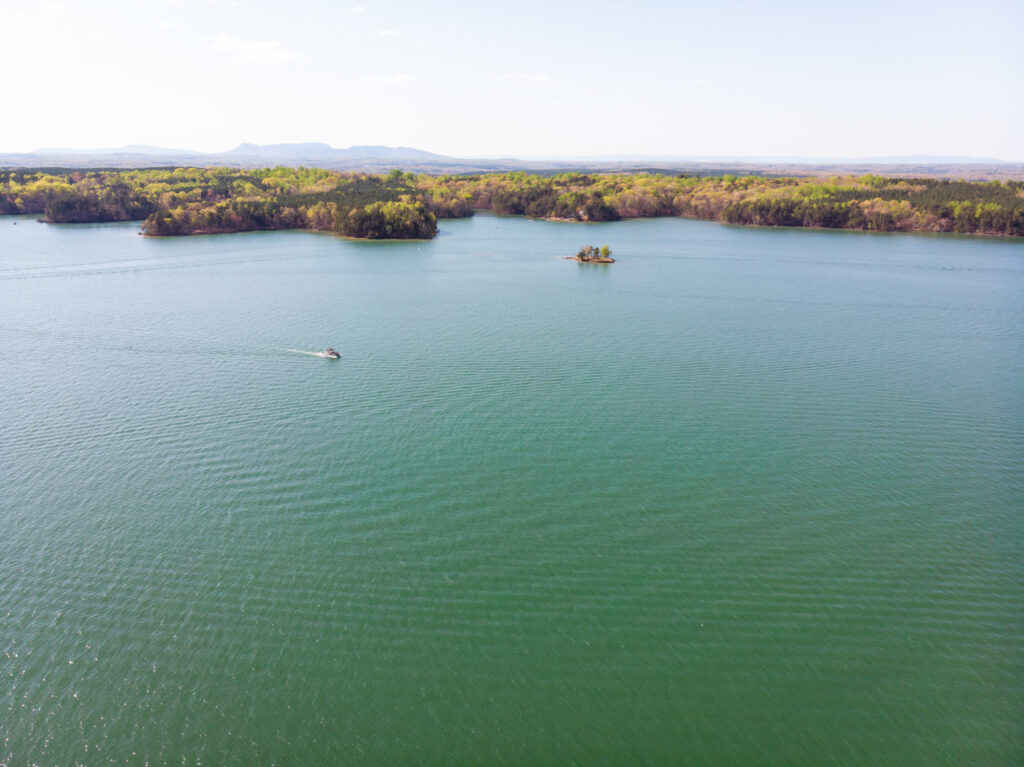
(376, 159)
(774, 160)
(325, 153)
(311, 154)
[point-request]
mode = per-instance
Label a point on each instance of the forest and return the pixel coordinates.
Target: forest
(182, 201)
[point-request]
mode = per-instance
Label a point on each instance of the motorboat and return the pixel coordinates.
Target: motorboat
(330, 354)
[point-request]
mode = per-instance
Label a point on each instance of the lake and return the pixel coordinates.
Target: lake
(747, 496)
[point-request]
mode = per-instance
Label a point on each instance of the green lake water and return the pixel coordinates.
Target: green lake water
(746, 497)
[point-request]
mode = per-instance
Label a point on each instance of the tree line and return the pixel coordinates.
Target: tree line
(179, 201)
(871, 203)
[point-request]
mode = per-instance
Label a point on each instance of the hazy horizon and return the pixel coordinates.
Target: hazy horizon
(572, 79)
(144, 149)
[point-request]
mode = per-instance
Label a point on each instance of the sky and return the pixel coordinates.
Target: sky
(524, 79)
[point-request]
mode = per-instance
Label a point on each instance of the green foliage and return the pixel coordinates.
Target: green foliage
(176, 201)
(869, 202)
(388, 220)
(590, 253)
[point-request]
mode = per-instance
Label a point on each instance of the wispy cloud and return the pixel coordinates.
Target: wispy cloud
(257, 52)
(533, 78)
(357, 9)
(389, 32)
(391, 79)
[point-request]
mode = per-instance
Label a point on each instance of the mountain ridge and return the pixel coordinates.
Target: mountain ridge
(378, 158)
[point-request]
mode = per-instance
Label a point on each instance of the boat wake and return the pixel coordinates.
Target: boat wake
(301, 351)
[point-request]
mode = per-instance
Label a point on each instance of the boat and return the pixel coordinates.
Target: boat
(330, 354)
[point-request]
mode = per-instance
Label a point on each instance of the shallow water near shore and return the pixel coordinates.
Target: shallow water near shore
(746, 496)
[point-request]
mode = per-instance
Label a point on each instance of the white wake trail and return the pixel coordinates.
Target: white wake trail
(301, 351)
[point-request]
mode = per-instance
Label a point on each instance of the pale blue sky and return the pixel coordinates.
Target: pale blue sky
(848, 79)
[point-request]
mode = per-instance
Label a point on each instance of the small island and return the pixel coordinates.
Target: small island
(591, 255)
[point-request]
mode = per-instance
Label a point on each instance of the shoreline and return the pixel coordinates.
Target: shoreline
(1001, 236)
(555, 220)
(404, 206)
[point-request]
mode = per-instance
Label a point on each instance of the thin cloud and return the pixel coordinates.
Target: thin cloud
(389, 32)
(357, 9)
(533, 78)
(398, 79)
(257, 52)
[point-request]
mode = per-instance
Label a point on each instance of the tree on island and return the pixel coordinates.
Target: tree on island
(590, 254)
